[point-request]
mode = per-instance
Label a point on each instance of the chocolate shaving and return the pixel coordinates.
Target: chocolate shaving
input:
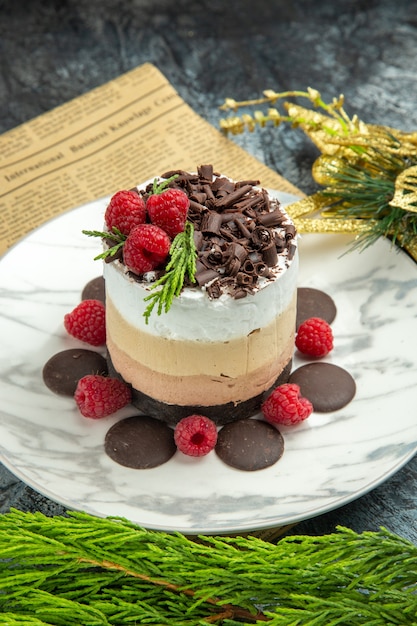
(261, 237)
(291, 251)
(205, 173)
(205, 276)
(270, 255)
(230, 199)
(211, 223)
(289, 231)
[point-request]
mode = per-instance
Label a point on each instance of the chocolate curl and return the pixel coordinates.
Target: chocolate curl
(233, 266)
(205, 276)
(239, 294)
(275, 218)
(243, 183)
(238, 251)
(261, 269)
(198, 196)
(248, 267)
(211, 223)
(214, 290)
(215, 255)
(289, 231)
(205, 173)
(242, 227)
(227, 234)
(198, 239)
(222, 186)
(244, 279)
(261, 237)
(231, 198)
(291, 251)
(209, 194)
(270, 255)
(280, 243)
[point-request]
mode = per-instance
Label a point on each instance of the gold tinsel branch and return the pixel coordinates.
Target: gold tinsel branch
(368, 172)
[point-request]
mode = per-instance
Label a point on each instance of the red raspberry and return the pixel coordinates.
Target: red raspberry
(314, 337)
(125, 210)
(145, 248)
(169, 210)
(98, 396)
(285, 406)
(87, 322)
(195, 435)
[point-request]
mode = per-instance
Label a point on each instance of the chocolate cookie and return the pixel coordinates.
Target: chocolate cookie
(327, 386)
(314, 303)
(94, 290)
(140, 442)
(63, 370)
(249, 444)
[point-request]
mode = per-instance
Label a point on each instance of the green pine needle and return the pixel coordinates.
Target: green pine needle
(81, 569)
(114, 235)
(182, 262)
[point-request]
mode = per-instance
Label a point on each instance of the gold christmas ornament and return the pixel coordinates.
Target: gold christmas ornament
(368, 172)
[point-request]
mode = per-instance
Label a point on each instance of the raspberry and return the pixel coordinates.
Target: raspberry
(195, 435)
(125, 210)
(98, 396)
(314, 337)
(168, 210)
(285, 406)
(87, 322)
(146, 247)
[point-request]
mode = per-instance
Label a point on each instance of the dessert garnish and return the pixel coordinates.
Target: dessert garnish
(182, 264)
(99, 396)
(168, 208)
(145, 247)
(329, 387)
(195, 435)
(87, 322)
(286, 406)
(314, 337)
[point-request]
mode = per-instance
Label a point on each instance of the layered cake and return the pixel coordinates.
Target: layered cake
(228, 337)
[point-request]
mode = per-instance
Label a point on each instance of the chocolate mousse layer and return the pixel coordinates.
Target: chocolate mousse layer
(219, 413)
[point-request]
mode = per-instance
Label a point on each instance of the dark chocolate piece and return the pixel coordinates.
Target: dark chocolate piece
(63, 370)
(140, 442)
(314, 303)
(94, 290)
(327, 386)
(249, 445)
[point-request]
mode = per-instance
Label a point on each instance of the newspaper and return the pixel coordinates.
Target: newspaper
(110, 138)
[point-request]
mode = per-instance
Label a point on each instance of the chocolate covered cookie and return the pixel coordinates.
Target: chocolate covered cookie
(249, 444)
(94, 290)
(314, 303)
(62, 371)
(327, 386)
(140, 442)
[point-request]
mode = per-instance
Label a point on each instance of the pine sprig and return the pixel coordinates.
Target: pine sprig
(86, 570)
(114, 235)
(182, 263)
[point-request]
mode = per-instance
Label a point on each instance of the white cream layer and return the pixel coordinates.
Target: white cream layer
(193, 316)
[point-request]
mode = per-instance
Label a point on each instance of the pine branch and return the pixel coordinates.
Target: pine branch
(182, 262)
(85, 570)
(111, 236)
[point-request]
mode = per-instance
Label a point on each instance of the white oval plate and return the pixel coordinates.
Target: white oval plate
(328, 461)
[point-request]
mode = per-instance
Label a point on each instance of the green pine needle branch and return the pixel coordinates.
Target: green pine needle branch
(111, 236)
(182, 263)
(85, 570)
